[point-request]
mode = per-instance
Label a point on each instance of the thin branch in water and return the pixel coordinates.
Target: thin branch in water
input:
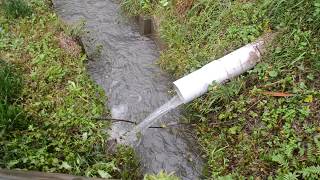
(113, 120)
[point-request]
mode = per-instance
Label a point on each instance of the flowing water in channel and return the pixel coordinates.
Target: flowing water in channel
(134, 84)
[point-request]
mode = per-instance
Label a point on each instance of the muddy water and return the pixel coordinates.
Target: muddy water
(134, 84)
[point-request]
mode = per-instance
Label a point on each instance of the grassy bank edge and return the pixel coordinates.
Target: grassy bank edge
(58, 133)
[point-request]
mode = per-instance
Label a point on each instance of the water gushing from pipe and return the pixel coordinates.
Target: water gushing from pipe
(131, 136)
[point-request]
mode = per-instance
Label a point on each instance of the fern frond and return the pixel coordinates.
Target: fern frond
(310, 171)
(291, 176)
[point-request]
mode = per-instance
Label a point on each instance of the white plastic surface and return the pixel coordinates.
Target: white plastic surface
(227, 67)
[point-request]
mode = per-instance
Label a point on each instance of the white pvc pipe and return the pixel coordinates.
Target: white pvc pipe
(218, 71)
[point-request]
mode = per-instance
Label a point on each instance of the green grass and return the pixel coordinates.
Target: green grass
(160, 176)
(48, 103)
(12, 116)
(11, 82)
(16, 8)
(244, 133)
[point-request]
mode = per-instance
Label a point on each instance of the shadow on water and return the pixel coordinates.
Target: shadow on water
(135, 86)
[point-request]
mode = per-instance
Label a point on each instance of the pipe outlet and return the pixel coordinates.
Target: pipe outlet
(218, 71)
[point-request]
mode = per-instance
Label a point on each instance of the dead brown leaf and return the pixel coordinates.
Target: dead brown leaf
(182, 6)
(276, 94)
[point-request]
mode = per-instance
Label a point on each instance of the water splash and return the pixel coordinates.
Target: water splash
(132, 136)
